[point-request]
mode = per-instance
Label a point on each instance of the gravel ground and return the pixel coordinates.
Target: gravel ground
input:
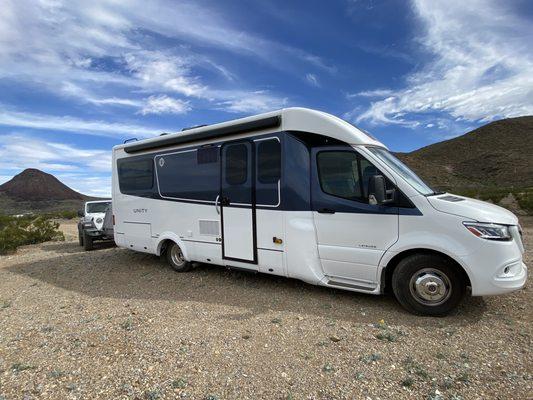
(117, 324)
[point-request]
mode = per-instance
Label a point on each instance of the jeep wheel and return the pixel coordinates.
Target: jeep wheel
(80, 237)
(87, 242)
(427, 284)
(176, 259)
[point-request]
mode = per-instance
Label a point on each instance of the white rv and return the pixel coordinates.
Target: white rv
(303, 194)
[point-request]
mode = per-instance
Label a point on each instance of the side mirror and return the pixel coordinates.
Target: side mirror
(81, 213)
(377, 190)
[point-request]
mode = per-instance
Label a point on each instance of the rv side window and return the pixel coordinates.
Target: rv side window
(135, 175)
(236, 164)
(339, 174)
(269, 161)
(189, 174)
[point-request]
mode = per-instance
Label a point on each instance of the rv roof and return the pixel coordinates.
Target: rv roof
(288, 119)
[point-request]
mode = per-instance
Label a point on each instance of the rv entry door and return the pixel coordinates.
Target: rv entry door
(237, 202)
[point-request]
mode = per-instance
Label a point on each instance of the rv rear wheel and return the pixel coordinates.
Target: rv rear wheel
(426, 284)
(176, 259)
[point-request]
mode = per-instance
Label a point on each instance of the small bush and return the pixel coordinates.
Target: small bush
(20, 231)
(65, 214)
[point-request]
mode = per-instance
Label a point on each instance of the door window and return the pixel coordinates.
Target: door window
(236, 164)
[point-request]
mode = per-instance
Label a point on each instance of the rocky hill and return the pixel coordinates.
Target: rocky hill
(493, 162)
(497, 155)
(36, 185)
(36, 191)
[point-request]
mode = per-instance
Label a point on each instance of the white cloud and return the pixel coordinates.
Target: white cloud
(165, 105)
(259, 101)
(70, 49)
(481, 68)
(158, 71)
(371, 93)
(74, 125)
(312, 80)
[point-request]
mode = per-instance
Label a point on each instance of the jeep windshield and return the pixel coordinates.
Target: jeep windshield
(97, 207)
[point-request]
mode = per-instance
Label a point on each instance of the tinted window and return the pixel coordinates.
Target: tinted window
(236, 164)
(268, 161)
(338, 173)
(183, 176)
(135, 174)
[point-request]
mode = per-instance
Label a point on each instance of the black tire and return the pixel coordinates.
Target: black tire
(80, 237)
(87, 242)
(427, 284)
(175, 258)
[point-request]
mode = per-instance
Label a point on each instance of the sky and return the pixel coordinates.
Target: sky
(77, 77)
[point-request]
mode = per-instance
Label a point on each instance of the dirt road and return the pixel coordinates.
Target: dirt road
(117, 324)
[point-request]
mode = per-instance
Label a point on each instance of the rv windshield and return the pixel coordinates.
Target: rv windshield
(403, 170)
(97, 207)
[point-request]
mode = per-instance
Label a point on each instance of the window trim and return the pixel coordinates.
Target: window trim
(363, 200)
(258, 146)
(280, 175)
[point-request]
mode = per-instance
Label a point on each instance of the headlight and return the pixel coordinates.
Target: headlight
(488, 231)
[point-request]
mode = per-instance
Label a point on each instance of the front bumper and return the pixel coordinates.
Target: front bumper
(496, 268)
(96, 234)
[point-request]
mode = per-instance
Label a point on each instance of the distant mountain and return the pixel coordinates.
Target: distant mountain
(36, 191)
(35, 185)
(496, 155)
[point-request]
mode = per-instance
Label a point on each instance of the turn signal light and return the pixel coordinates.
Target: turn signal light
(277, 240)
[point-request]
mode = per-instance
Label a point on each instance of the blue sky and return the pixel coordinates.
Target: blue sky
(76, 79)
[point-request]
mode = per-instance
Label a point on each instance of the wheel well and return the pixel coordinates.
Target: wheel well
(386, 275)
(163, 246)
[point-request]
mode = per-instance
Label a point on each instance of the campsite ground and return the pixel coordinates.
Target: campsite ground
(117, 324)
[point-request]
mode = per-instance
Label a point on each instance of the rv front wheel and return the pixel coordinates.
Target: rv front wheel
(176, 259)
(426, 284)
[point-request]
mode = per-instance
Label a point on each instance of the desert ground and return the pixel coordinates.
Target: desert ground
(112, 323)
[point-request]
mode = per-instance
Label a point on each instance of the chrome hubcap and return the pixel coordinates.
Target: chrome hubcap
(430, 286)
(177, 256)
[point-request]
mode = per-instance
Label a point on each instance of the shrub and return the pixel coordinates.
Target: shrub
(19, 231)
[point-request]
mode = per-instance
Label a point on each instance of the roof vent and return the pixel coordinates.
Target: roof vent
(453, 199)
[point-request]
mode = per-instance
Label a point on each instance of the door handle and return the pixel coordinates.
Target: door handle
(216, 205)
(326, 211)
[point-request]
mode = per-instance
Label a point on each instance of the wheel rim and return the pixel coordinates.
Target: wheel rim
(431, 287)
(177, 256)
